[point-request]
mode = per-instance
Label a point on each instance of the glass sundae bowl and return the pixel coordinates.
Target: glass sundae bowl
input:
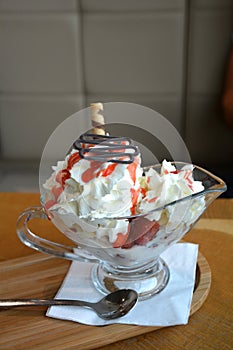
(125, 250)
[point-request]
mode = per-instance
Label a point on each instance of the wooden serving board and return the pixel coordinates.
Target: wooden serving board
(39, 275)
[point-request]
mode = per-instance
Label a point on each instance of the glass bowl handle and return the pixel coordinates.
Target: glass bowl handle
(36, 242)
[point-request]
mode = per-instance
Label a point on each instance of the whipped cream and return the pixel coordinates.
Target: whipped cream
(88, 196)
(92, 189)
(167, 186)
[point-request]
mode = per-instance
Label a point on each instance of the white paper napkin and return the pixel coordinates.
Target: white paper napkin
(169, 307)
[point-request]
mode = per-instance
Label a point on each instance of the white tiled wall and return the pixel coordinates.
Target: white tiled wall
(28, 121)
(57, 56)
(169, 105)
(131, 56)
(41, 53)
(131, 5)
(23, 6)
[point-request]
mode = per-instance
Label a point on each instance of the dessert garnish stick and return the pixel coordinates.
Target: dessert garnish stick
(97, 118)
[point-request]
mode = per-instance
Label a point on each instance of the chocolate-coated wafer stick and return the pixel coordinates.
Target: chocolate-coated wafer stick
(97, 119)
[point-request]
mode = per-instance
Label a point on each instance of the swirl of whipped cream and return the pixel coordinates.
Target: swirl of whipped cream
(169, 186)
(93, 189)
(95, 193)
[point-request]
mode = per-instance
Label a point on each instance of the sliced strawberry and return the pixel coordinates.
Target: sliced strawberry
(128, 244)
(121, 239)
(149, 235)
(141, 232)
(140, 226)
(74, 158)
(137, 227)
(62, 176)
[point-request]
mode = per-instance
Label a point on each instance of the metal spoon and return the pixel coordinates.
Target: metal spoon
(113, 305)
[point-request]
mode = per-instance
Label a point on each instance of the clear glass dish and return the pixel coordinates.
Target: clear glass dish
(134, 261)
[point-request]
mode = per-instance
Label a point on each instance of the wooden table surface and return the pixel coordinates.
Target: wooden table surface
(209, 328)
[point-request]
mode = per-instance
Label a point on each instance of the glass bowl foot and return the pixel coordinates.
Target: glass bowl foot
(146, 281)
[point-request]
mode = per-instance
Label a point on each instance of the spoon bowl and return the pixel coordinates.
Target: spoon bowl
(113, 305)
(116, 304)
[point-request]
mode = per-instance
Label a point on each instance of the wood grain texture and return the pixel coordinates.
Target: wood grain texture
(202, 285)
(39, 275)
(210, 328)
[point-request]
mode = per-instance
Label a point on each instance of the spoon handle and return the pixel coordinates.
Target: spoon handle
(9, 303)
